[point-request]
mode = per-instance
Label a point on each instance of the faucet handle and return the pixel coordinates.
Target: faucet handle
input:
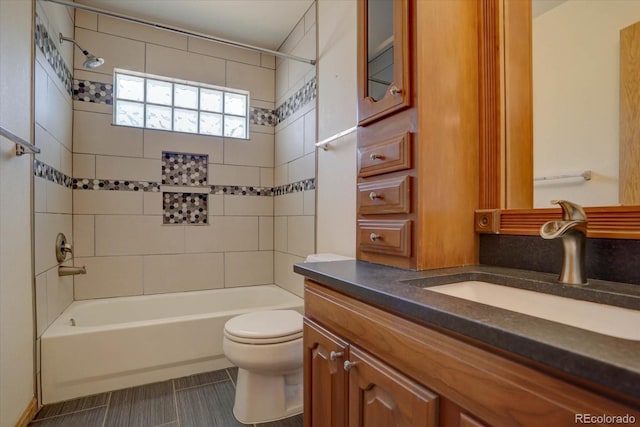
(571, 211)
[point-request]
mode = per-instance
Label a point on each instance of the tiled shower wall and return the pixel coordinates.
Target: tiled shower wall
(295, 159)
(53, 166)
(120, 227)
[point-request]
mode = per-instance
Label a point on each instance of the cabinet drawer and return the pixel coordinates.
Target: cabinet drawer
(391, 237)
(393, 154)
(383, 196)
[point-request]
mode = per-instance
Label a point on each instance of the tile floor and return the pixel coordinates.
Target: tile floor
(203, 400)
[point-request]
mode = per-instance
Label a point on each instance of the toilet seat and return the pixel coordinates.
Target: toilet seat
(264, 327)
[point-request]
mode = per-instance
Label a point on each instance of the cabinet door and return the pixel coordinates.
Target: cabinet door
(325, 380)
(383, 58)
(380, 396)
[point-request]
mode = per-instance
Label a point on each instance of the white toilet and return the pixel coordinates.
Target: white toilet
(266, 346)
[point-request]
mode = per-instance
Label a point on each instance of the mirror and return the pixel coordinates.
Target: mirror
(577, 102)
(379, 47)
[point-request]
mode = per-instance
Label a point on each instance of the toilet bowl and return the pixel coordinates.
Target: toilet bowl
(266, 346)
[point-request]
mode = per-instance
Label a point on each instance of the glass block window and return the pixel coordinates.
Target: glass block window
(153, 102)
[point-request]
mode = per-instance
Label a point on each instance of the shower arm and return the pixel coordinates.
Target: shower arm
(69, 39)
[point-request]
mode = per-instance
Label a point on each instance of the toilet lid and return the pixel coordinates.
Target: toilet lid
(265, 327)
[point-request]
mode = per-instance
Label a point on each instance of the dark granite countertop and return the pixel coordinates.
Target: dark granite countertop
(602, 359)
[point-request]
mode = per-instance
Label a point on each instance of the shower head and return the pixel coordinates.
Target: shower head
(91, 60)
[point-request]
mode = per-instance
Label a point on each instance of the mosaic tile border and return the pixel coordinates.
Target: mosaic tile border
(102, 93)
(184, 208)
(50, 51)
(236, 190)
(304, 185)
(114, 185)
(262, 116)
(305, 94)
(90, 91)
(231, 190)
(43, 170)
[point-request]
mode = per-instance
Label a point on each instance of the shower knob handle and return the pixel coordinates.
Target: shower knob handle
(63, 247)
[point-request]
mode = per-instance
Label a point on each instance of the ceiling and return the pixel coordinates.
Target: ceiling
(263, 23)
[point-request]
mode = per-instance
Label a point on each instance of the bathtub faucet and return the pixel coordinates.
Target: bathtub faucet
(573, 232)
(63, 270)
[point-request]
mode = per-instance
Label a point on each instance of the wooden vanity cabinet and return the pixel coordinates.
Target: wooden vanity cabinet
(325, 380)
(417, 133)
(345, 386)
(410, 374)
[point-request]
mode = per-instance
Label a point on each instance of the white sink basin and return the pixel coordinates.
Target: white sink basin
(605, 319)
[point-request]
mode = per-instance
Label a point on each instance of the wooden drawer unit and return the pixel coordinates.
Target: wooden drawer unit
(390, 155)
(431, 136)
(389, 237)
(385, 196)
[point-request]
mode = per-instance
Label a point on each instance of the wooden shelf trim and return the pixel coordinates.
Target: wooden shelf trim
(618, 222)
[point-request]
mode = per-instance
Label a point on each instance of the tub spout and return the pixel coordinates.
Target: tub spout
(71, 271)
(573, 232)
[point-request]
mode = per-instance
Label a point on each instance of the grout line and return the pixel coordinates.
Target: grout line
(104, 421)
(203, 384)
(95, 241)
(68, 413)
(175, 401)
(230, 377)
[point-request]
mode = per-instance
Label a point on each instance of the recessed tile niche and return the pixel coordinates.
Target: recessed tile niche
(184, 208)
(184, 170)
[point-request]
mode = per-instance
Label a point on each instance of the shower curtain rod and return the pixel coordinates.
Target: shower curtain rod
(182, 31)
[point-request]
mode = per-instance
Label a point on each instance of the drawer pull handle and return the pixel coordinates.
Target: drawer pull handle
(374, 237)
(349, 365)
(374, 156)
(394, 90)
(373, 196)
(334, 355)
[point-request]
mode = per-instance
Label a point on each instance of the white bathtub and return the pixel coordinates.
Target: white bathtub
(127, 341)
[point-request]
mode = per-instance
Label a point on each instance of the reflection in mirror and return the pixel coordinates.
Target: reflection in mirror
(379, 47)
(576, 99)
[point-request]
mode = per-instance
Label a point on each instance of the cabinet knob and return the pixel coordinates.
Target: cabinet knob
(349, 365)
(334, 355)
(374, 156)
(373, 196)
(393, 90)
(374, 237)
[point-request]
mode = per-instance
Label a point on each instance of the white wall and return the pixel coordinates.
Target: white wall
(16, 295)
(295, 154)
(337, 111)
(576, 98)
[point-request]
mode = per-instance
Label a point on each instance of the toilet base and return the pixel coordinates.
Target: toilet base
(263, 398)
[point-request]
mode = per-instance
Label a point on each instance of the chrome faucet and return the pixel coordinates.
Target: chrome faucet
(573, 231)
